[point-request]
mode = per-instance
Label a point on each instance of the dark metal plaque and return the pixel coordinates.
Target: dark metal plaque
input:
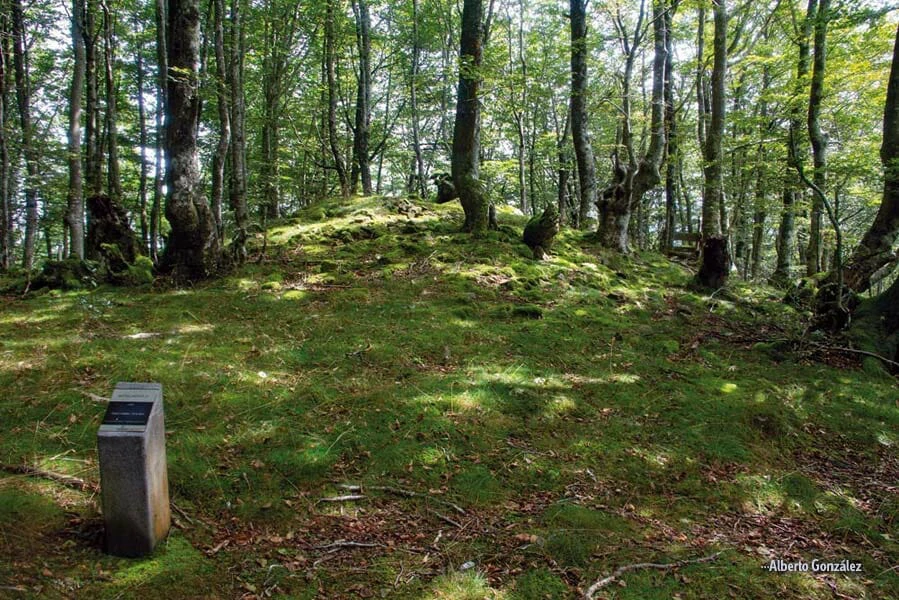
(127, 413)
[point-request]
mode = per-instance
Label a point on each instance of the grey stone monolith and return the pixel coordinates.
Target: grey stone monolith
(133, 475)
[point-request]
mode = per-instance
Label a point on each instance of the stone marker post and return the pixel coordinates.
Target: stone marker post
(133, 480)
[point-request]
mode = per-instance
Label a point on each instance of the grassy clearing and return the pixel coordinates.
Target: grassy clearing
(585, 413)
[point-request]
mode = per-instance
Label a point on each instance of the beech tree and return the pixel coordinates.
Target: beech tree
(466, 135)
(193, 249)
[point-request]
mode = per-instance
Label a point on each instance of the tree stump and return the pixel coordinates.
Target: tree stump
(108, 226)
(540, 232)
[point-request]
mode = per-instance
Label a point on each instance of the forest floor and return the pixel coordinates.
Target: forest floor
(518, 429)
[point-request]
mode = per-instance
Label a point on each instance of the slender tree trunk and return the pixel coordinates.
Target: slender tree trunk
(583, 151)
(466, 131)
(417, 181)
(238, 179)
(715, 261)
(75, 210)
(761, 180)
(818, 141)
(6, 245)
(162, 70)
(193, 248)
(23, 98)
(563, 170)
(93, 143)
(330, 69)
(672, 151)
(795, 157)
(113, 178)
(144, 141)
(362, 126)
(220, 158)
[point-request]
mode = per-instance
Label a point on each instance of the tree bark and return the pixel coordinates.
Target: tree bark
(6, 220)
(362, 125)
(330, 69)
(162, 70)
(672, 150)
(193, 248)
(220, 158)
(23, 99)
(417, 179)
(144, 140)
(93, 143)
(583, 150)
(466, 131)
(817, 138)
(715, 262)
(113, 177)
(238, 178)
(795, 156)
(75, 209)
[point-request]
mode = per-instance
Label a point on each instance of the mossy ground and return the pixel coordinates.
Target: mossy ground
(585, 413)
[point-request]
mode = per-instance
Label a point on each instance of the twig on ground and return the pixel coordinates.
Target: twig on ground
(346, 498)
(404, 493)
(181, 512)
(854, 351)
(66, 480)
(445, 519)
(591, 591)
(347, 544)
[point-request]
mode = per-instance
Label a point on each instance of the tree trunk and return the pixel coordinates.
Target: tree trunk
(23, 98)
(93, 144)
(715, 261)
(75, 210)
(672, 151)
(330, 69)
(238, 179)
(466, 131)
(583, 151)
(162, 70)
(220, 158)
(193, 248)
(6, 218)
(563, 170)
(113, 178)
(795, 156)
(417, 180)
(144, 141)
(362, 126)
(817, 138)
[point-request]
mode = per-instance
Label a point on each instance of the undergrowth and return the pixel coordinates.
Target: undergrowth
(583, 413)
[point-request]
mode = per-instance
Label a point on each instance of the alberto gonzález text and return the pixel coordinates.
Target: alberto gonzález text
(815, 566)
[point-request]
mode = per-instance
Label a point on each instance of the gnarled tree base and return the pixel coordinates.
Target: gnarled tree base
(714, 263)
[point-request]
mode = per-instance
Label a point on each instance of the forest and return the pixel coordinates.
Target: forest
(456, 299)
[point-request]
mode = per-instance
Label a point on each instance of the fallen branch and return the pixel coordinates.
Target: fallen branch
(446, 519)
(346, 498)
(404, 493)
(854, 351)
(591, 591)
(66, 480)
(347, 544)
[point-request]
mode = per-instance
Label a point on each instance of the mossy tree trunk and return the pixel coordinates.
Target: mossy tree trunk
(583, 150)
(466, 134)
(193, 249)
(714, 260)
